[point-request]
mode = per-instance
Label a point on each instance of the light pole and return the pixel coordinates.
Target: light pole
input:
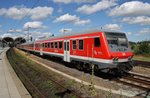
(28, 33)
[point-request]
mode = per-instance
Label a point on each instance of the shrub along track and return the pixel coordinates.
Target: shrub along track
(39, 82)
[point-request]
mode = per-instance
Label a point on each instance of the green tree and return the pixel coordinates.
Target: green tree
(144, 48)
(136, 49)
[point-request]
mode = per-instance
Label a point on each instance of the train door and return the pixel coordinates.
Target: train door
(34, 45)
(67, 50)
(41, 49)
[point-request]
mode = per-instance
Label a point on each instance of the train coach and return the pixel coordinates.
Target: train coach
(108, 51)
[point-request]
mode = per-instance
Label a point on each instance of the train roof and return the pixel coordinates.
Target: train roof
(74, 33)
(78, 33)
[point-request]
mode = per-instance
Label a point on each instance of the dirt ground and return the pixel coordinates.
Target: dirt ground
(142, 70)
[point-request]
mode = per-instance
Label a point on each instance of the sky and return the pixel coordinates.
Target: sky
(46, 17)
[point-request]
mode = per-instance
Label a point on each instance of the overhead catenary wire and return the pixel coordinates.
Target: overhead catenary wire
(19, 22)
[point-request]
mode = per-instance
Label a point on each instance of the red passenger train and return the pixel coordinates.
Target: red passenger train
(106, 50)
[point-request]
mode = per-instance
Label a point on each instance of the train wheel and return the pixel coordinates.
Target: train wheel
(79, 66)
(86, 67)
(96, 69)
(115, 72)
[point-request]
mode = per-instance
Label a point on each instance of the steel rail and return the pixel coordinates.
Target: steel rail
(141, 63)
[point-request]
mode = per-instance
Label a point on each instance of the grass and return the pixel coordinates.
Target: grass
(141, 58)
(39, 76)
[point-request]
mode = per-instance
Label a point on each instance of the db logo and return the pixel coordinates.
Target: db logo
(123, 54)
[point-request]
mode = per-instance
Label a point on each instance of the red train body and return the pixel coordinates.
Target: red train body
(107, 50)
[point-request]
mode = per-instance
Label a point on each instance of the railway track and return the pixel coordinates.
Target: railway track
(135, 80)
(21, 74)
(142, 63)
(35, 89)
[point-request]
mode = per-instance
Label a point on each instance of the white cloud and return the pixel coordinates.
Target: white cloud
(82, 22)
(66, 18)
(34, 25)
(145, 31)
(65, 30)
(40, 35)
(60, 10)
(19, 13)
(128, 33)
(72, 1)
(143, 20)
(132, 8)
(6, 35)
(112, 27)
(72, 19)
(14, 12)
(101, 5)
(1, 31)
(14, 31)
(41, 12)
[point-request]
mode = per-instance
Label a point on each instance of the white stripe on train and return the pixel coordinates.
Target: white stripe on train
(84, 58)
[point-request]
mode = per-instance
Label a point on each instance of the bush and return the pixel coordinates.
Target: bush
(135, 49)
(141, 47)
(144, 48)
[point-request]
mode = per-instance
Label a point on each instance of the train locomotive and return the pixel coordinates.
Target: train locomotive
(107, 50)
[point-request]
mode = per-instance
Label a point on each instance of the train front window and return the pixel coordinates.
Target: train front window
(97, 42)
(116, 39)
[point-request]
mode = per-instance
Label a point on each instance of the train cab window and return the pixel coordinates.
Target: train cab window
(48, 45)
(97, 42)
(56, 45)
(74, 44)
(52, 45)
(60, 45)
(81, 44)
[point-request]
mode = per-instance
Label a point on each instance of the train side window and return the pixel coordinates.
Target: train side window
(43, 45)
(60, 45)
(52, 45)
(81, 44)
(55, 44)
(74, 44)
(97, 42)
(48, 45)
